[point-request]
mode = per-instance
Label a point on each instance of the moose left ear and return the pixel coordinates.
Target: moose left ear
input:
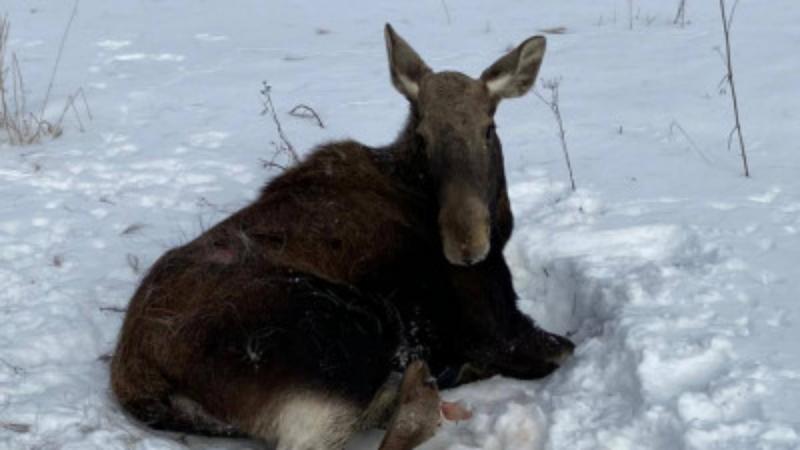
(405, 65)
(513, 74)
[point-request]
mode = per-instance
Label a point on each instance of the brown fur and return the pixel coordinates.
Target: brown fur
(338, 273)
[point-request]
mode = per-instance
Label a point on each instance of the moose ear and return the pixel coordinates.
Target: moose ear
(513, 74)
(405, 65)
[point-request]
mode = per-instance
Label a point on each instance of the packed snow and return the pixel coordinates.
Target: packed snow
(677, 277)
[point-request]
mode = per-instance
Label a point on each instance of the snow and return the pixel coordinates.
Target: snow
(676, 276)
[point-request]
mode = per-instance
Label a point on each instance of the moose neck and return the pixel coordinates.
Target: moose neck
(406, 157)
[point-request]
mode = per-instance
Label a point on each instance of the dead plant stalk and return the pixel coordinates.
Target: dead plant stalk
(737, 128)
(20, 124)
(284, 147)
(553, 103)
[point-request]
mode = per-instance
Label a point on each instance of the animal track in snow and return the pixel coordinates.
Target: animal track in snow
(210, 37)
(767, 197)
(208, 139)
(148, 57)
(110, 44)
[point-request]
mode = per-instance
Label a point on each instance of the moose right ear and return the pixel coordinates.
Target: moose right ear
(513, 74)
(405, 65)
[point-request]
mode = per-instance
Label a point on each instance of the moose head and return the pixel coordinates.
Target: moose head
(454, 118)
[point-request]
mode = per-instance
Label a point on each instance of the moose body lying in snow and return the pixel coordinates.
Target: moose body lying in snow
(286, 321)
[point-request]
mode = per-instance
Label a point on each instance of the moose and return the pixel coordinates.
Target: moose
(290, 320)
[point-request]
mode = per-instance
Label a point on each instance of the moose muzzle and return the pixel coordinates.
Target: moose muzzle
(465, 228)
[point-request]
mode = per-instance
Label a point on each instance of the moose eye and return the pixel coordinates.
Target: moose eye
(421, 142)
(489, 132)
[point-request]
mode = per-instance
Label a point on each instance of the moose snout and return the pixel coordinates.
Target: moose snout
(465, 230)
(467, 252)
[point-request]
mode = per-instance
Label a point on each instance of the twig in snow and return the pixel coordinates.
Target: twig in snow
(69, 105)
(446, 11)
(732, 13)
(306, 112)
(674, 125)
(20, 428)
(726, 27)
(16, 369)
(58, 56)
(284, 147)
(133, 263)
(630, 14)
(132, 228)
(554, 30)
(272, 162)
(552, 86)
(680, 15)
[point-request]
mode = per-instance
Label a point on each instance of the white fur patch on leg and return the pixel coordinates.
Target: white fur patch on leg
(307, 420)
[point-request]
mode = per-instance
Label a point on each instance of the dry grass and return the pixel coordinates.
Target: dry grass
(19, 123)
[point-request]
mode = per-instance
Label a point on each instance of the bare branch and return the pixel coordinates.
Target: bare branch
(732, 13)
(132, 229)
(630, 14)
(738, 124)
(133, 263)
(284, 147)
(552, 86)
(723, 81)
(680, 15)
(730, 137)
(58, 56)
(674, 125)
(272, 164)
(20, 428)
(306, 112)
(446, 12)
(14, 368)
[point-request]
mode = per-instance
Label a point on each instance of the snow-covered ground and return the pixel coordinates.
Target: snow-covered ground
(677, 277)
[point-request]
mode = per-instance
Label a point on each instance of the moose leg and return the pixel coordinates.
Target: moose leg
(300, 367)
(379, 411)
(502, 339)
(531, 353)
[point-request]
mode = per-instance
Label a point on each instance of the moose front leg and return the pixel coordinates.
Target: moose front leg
(530, 352)
(497, 337)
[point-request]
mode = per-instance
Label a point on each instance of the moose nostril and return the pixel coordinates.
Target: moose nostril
(466, 257)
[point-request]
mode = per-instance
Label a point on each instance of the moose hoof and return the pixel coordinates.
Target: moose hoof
(562, 349)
